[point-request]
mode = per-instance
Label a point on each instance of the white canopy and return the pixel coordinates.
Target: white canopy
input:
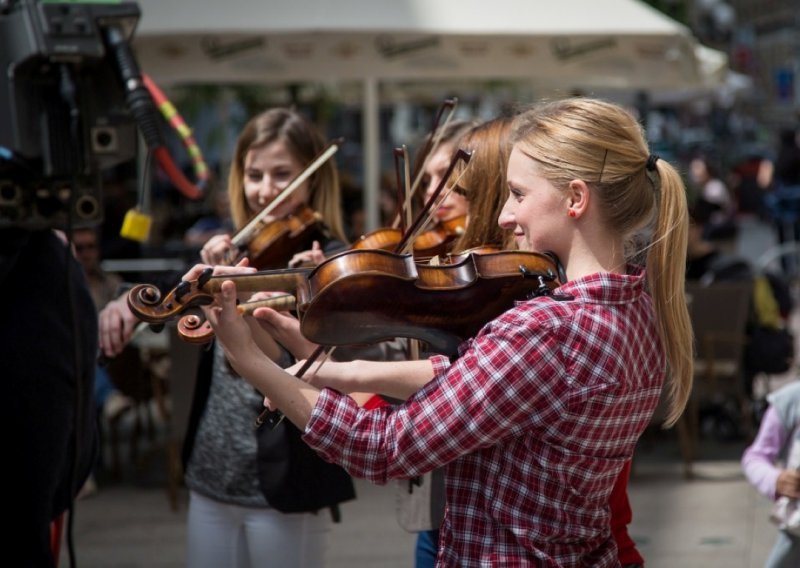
(474, 17)
(567, 44)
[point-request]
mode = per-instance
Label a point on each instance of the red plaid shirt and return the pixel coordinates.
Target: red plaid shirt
(534, 421)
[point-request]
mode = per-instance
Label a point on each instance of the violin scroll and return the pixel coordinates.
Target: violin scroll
(146, 303)
(194, 329)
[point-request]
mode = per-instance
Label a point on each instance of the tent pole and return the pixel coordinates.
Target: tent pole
(370, 123)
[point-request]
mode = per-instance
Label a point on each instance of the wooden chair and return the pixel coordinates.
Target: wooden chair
(719, 314)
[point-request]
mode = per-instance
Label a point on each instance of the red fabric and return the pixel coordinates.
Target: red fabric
(621, 516)
(376, 401)
(56, 530)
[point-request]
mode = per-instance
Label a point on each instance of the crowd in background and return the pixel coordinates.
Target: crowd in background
(738, 178)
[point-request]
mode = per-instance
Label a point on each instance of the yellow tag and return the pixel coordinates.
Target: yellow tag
(136, 226)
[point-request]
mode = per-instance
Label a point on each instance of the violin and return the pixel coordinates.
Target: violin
(194, 329)
(274, 243)
(430, 243)
(367, 296)
(434, 242)
(438, 240)
(386, 238)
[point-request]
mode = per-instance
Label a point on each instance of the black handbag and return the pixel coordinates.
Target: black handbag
(293, 477)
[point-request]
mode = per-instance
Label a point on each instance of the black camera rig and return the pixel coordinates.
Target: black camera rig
(71, 98)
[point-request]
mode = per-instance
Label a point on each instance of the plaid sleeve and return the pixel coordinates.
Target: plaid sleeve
(481, 398)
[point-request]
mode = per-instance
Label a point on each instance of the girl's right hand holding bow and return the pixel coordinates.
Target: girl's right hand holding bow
(217, 250)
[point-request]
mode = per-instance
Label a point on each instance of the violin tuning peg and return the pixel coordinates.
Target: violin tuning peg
(205, 276)
(182, 289)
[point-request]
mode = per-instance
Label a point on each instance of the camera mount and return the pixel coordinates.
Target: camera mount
(69, 108)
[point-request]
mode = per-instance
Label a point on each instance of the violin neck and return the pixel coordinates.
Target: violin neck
(281, 303)
(273, 280)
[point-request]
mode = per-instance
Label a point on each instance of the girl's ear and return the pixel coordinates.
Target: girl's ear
(577, 197)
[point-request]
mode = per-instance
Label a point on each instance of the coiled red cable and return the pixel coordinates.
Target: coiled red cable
(162, 155)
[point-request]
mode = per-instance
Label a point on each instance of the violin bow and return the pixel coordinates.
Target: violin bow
(274, 417)
(423, 215)
(427, 151)
(246, 233)
(403, 189)
(407, 188)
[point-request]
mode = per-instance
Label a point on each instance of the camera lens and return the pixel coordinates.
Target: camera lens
(104, 139)
(86, 207)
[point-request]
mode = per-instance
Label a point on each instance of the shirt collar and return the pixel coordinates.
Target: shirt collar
(606, 287)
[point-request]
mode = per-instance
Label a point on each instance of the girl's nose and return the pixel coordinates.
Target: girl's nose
(269, 188)
(506, 219)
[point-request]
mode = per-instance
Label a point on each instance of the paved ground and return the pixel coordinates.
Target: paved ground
(714, 520)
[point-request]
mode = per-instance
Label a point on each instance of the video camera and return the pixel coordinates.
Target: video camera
(71, 98)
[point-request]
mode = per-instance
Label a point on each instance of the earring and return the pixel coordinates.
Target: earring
(571, 213)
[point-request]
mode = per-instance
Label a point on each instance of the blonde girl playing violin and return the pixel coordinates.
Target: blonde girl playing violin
(543, 407)
(247, 503)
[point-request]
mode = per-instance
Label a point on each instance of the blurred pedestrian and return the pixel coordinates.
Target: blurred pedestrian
(110, 402)
(721, 224)
(772, 464)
